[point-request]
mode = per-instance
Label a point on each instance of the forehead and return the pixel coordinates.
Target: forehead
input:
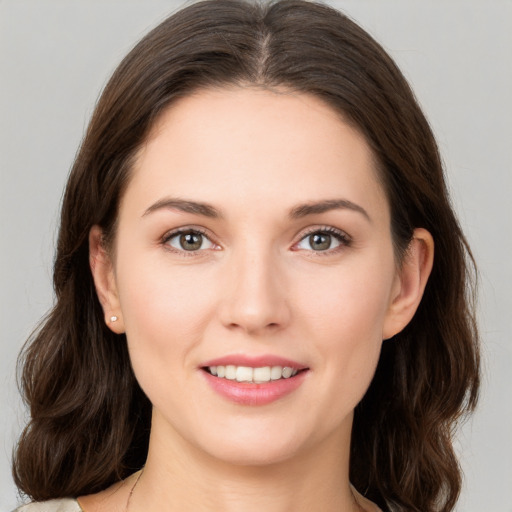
(272, 147)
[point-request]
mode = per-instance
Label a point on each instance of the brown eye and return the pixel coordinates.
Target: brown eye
(323, 240)
(189, 241)
(320, 241)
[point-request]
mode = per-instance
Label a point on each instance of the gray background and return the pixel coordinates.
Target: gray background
(55, 56)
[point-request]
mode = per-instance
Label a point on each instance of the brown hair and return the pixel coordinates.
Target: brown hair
(90, 421)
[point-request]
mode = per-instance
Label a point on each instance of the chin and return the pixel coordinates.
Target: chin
(253, 447)
(257, 455)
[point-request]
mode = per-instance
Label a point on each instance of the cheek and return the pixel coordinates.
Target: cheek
(350, 300)
(343, 315)
(165, 311)
(165, 308)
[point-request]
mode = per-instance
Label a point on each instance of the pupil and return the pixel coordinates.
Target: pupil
(191, 241)
(320, 242)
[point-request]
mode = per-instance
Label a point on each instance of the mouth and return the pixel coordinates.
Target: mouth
(254, 380)
(253, 375)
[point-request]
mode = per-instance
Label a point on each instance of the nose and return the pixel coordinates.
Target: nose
(254, 297)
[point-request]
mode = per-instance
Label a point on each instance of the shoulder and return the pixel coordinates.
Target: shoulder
(60, 505)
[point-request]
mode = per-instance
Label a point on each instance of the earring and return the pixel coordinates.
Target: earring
(113, 318)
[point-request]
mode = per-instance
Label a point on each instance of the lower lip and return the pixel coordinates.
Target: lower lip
(248, 393)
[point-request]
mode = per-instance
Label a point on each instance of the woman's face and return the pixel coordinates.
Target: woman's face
(254, 235)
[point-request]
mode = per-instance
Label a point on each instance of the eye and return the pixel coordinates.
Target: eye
(323, 240)
(189, 240)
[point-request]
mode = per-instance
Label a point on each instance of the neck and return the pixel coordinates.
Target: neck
(178, 476)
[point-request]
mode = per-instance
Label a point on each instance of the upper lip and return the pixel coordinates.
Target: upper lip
(254, 361)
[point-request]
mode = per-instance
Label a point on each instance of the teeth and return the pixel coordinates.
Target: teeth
(255, 375)
(262, 374)
(244, 374)
(231, 372)
(287, 372)
(276, 372)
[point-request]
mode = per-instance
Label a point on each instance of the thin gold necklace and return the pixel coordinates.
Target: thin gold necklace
(359, 506)
(133, 489)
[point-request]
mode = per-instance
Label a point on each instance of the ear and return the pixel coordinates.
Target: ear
(410, 283)
(104, 280)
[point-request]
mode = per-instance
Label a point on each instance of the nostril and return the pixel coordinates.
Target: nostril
(253, 326)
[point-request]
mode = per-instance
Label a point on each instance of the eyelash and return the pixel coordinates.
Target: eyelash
(340, 236)
(181, 231)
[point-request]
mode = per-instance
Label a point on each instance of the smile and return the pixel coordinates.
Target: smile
(254, 375)
(253, 380)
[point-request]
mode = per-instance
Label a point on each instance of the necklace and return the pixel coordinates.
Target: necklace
(356, 501)
(133, 489)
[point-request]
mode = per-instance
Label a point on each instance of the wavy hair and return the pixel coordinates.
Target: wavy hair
(90, 421)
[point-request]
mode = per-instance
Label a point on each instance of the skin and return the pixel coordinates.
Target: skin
(256, 286)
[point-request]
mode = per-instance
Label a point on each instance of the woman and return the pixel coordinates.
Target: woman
(249, 312)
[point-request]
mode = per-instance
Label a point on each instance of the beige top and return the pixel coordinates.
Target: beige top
(366, 504)
(71, 505)
(61, 505)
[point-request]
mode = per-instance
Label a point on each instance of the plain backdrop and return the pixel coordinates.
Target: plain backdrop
(55, 57)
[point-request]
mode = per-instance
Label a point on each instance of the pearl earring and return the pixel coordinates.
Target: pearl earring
(113, 318)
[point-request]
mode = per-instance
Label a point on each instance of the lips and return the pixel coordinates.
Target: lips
(253, 380)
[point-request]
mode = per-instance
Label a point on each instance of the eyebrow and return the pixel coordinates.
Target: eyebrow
(297, 212)
(306, 209)
(184, 205)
